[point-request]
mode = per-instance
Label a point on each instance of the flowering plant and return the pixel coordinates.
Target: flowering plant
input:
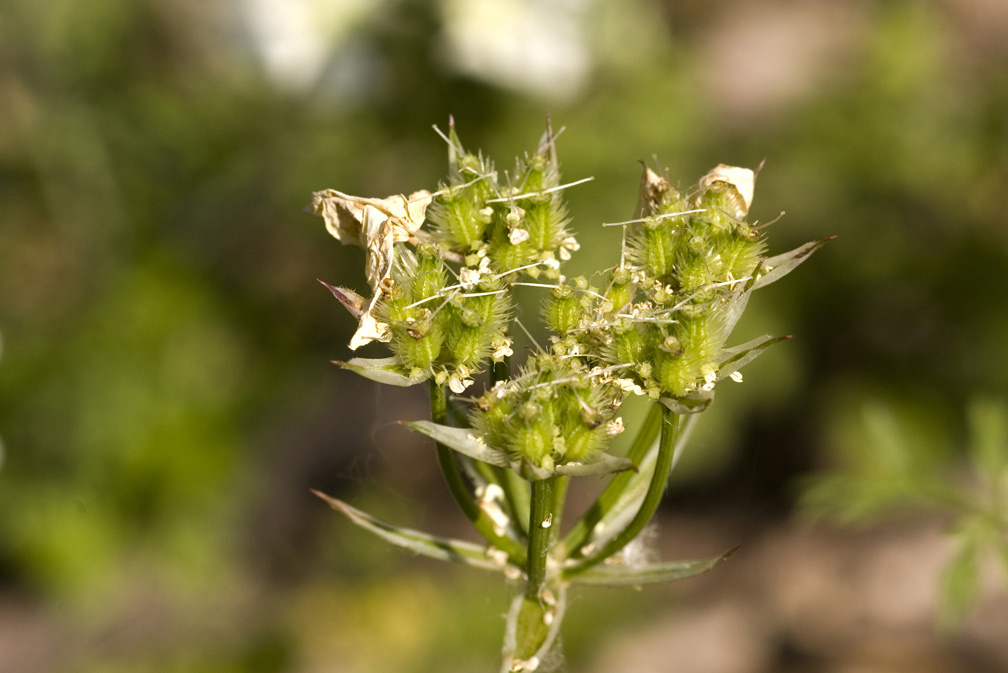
(441, 266)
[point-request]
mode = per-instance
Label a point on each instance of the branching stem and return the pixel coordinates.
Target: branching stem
(670, 423)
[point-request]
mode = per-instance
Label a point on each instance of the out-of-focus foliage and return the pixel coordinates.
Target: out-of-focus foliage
(165, 403)
(890, 461)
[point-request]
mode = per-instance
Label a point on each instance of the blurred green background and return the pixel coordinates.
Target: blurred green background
(166, 401)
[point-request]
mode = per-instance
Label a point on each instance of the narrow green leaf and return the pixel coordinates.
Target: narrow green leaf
(960, 585)
(468, 443)
(389, 371)
(650, 573)
(988, 422)
(783, 264)
(692, 403)
(735, 305)
(737, 357)
(601, 463)
(462, 440)
(443, 549)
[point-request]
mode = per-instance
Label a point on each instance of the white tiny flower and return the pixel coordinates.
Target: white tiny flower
(736, 376)
(468, 277)
(615, 426)
(567, 246)
(517, 236)
(709, 371)
(628, 386)
(514, 216)
(458, 385)
(502, 348)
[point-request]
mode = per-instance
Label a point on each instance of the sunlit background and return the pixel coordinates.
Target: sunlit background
(166, 397)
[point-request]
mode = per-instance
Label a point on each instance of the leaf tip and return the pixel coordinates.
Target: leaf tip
(331, 501)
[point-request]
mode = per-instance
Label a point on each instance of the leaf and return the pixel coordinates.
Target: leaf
(960, 585)
(383, 370)
(649, 573)
(988, 422)
(692, 403)
(783, 264)
(443, 549)
(532, 628)
(737, 301)
(468, 443)
(599, 464)
(739, 356)
(462, 440)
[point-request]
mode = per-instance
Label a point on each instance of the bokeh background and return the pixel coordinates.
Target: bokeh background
(166, 397)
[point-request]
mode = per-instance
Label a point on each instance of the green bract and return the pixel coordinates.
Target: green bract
(441, 266)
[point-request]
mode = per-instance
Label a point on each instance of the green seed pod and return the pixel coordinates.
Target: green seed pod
(620, 291)
(490, 419)
(562, 310)
(739, 253)
(467, 346)
(693, 275)
(418, 345)
(460, 216)
(582, 441)
(533, 439)
(546, 223)
(428, 279)
(720, 205)
(681, 358)
(627, 345)
(657, 247)
(475, 322)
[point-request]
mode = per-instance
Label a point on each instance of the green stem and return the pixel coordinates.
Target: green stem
(648, 507)
(459, 489)
(559, 500)
(579, 532)
(517, 494)
(541, 522)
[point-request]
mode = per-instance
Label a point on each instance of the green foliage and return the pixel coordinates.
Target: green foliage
(135, 131)
(890, 469)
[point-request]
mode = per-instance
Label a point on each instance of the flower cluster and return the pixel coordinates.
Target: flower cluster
(664, 314)
(556, 411)
(441, 265)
